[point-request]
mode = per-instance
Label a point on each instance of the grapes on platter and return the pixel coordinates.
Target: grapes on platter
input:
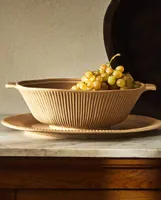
(106, 78)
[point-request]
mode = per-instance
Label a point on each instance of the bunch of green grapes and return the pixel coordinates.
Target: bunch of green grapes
(107, 78)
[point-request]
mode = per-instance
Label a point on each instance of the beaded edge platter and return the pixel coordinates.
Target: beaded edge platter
(133, 124)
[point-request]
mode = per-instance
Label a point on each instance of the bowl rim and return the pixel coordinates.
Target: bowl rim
(18, 85)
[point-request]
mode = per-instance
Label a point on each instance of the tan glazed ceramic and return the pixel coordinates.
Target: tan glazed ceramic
(52, 102)
(133, 124)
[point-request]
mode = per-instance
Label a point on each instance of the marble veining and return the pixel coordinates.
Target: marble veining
(19, 143)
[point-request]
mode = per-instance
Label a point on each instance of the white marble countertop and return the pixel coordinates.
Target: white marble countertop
(19, 143)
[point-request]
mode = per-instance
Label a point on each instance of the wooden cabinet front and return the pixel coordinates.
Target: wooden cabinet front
(78, 178)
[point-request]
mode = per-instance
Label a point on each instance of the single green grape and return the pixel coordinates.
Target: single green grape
(117, 74)
(102, 71)
(129, 80)
(120, 82)
(75, 87)
(90, 85)
(78, 84)
(103, 67)
(105, 76)
(109, 70)
(88, 74)
(83, 86)
(84, 79)
(97, 85)
(99, 78)
(111, 80)
(93, 78)
(87, 81)
(120, 68)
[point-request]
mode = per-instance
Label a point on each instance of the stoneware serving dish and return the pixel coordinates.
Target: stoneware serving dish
(52, 102)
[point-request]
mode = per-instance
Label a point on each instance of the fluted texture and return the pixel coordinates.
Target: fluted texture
(80, 109)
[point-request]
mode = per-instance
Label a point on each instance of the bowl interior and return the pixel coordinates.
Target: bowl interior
(60, 83)
(50, 83)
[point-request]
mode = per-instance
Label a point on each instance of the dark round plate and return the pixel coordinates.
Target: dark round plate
(133, 28)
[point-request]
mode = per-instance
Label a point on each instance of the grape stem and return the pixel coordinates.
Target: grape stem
(118, 54)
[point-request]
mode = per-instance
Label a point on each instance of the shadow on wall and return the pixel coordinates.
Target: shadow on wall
(133, 28)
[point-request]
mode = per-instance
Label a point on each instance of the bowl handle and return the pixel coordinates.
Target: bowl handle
(150, 87)
(11, 85)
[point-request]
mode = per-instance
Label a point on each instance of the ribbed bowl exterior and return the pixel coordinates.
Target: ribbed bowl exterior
(80, 109)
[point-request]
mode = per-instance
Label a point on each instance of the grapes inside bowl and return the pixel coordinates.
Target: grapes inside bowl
(107, 78)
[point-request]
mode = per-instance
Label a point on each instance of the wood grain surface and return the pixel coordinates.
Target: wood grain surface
(79, 173)
(79, 178)
(7, 195)
(88, 195)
